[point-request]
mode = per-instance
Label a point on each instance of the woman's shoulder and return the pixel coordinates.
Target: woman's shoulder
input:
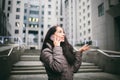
(48, 48)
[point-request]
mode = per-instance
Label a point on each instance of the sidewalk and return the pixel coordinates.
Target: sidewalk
(77, 76)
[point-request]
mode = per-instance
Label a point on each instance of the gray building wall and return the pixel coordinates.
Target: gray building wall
(103, 27)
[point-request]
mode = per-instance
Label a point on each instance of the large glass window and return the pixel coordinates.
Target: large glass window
(34, 12)
(33, 19)
(101, 10)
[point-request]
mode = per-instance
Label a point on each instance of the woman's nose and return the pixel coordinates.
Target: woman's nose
(63, 34)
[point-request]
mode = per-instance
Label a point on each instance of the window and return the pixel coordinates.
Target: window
(25, 10)
(61, 25)
(32, 19)
(17, 16)
(83, 3)
(34, 12)
(49, 0)
(17, 9)
(80, 27)
(80, 34)
(49, 12)
(101, 10)
(89, 30)
(83, 10)
(8, 8)
(84, 32)
(7, 14)
(16, 31)
(42, 33)
(42, 12)
(88, 14)
(88, 22)
(24, 25)
(17, 24)
(25, 17)
(79, 0)
(42, 26)
(88, 7)
(84, 24)
(9, 2)
(49, 6)
(42, 6)
(48, 26)
(18, 2)
(61, 19)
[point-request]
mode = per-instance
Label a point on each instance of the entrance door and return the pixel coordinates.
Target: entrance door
(117, 33)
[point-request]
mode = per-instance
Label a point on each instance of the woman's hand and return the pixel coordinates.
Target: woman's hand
(84, 48)
(56, 41)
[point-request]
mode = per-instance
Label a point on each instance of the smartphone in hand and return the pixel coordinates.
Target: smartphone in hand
(89, 43)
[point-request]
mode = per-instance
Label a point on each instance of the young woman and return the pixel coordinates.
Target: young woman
(58, 56)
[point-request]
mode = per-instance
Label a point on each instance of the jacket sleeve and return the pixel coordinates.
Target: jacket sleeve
(53, 58)
(78, 61)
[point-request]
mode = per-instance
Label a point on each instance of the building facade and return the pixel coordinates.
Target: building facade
(32, 24)
(93, 20)
(5, 26)
(70, 20)
(105, 22)
(14, 12)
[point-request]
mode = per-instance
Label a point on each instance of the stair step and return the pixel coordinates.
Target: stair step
(38, 63)
(29, 72)
(87, 64)
(89, 70)
(30, 58)
(89, 67)
(44, 72)
(42, 67)
(28, 68)
(28, 63)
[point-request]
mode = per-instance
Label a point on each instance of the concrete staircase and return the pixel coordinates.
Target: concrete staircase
(29, 64)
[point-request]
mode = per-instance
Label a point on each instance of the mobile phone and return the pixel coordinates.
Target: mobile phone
(89, 43)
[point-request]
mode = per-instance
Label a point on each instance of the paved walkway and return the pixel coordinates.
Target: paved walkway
(77, 76)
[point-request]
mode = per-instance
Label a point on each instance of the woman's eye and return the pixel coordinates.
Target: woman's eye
(60, 31)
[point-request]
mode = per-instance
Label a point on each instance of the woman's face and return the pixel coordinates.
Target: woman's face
(60, 34)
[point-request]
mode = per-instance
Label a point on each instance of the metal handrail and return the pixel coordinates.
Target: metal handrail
(9, 53)
(104, 52)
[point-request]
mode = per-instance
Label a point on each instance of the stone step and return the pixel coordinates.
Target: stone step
(29, 68)
(31, 52)
(39, 63)
(30, 58)
(36, 67)
(89, 70)
(44, 72)
(43, 68)
(27, 63)
(29, 72)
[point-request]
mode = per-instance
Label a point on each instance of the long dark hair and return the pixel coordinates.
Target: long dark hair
(67, 48)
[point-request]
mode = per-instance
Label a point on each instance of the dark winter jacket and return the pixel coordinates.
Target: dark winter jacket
(56, 65)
